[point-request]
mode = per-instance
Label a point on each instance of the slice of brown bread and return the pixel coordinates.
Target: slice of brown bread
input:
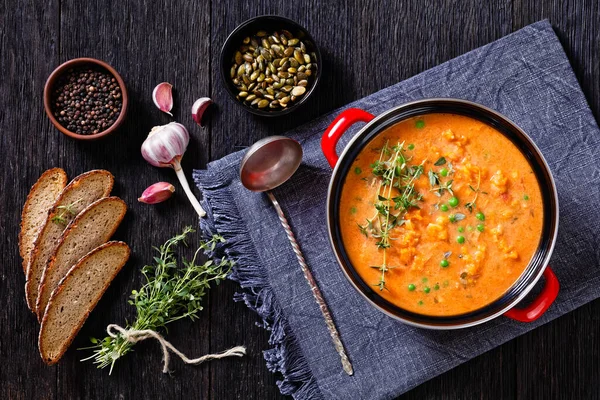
(92, 227)
(41, 197)
(76, 296)
(79, 193)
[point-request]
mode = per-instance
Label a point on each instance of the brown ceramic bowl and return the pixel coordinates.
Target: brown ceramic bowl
(78, 62)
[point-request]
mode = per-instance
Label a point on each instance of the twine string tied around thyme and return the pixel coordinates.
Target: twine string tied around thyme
(134, 336)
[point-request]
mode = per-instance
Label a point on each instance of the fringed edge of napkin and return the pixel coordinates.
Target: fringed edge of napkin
(222, 217)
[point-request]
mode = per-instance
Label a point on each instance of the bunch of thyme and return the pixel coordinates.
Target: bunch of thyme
(396, 195)
(169, 294)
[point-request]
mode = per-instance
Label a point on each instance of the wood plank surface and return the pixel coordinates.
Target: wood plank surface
(366, 46)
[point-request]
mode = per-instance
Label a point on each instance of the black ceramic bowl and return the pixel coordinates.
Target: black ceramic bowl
(269, 23)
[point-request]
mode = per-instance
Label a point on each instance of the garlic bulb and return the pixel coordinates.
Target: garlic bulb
(164, 147)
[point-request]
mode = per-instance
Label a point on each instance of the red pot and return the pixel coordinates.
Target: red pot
(537, 266)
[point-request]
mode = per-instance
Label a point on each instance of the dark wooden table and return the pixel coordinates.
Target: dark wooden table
(366, 47)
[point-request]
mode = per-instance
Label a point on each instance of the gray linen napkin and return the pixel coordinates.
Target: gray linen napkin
(525, 76)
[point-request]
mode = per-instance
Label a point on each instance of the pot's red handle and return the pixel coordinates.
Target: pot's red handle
(538, 307)
(337, 128)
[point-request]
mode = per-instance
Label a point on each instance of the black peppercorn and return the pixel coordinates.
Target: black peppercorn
(86, 100)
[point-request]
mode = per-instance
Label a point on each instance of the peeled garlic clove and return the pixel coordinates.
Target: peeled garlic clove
(157, 193)
(199, 107)
(162, 95)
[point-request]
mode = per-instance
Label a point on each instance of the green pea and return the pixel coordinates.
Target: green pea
(411, 287)
(424, 280)
(460, 239)
(525, 197)
(420, 302)
(411, 146)
(453, 201)
(426, 289)
(480, 227)
(444, 172)
(444, 263)
(436, 287)
(420, 124)
(357, 170)
(461, 229)
(480, 216)
(444, 207)
(452, 218)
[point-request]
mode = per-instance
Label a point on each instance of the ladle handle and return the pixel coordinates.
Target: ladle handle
(333, 332)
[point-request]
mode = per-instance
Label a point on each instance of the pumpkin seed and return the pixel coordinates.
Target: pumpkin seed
(298, 56)
(288, 51)
(271, 69)
(298, 91)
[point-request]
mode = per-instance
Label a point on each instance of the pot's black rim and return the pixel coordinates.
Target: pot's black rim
(266, 22)
(538, 262)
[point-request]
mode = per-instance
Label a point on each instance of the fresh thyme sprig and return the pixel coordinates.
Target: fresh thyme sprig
(471, 205)
(66, 210)
(396, 194)
(169, 294)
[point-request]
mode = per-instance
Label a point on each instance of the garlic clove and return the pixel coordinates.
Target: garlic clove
(162, 95)
(199, 107)
(157, 193)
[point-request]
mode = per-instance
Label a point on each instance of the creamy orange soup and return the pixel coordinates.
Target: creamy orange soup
(441, 214)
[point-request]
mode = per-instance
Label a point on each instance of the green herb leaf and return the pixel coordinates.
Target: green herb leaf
(440, 161)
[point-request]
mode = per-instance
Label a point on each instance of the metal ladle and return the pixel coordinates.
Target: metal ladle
(269, 163)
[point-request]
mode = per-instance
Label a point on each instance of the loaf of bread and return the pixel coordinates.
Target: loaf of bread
(77, 195)
(92, 227)
(76, 296)
(42, 196)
